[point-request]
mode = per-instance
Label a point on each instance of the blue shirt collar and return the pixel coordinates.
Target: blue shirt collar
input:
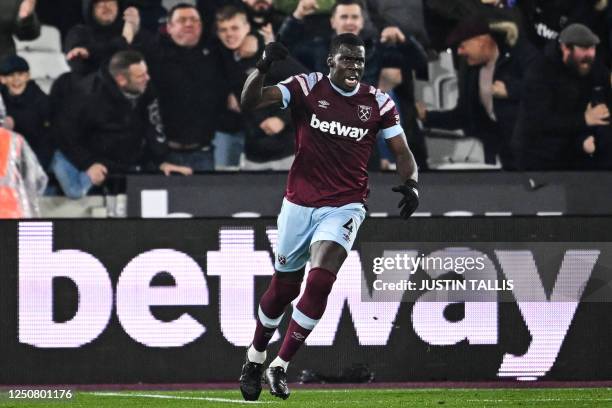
(341, 92)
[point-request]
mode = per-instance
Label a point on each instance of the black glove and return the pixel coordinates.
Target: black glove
(274, 51)
(410, 201)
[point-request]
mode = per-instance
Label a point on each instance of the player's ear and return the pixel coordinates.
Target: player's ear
(330, 61)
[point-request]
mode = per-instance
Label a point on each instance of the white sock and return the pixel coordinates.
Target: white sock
(255, 356)
(279, 362)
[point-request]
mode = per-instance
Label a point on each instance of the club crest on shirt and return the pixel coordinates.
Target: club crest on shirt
(364, 112)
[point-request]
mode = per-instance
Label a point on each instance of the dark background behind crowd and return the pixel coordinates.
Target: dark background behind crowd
(155, 85)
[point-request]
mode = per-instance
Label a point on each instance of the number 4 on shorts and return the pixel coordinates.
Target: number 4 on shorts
(349, 226)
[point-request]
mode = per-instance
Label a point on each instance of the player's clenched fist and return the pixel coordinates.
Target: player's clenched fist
(274, 51)
(410, 201)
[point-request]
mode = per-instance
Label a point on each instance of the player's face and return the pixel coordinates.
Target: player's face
(185, 27)
(232, 32)
(347, 19)
(346, 66)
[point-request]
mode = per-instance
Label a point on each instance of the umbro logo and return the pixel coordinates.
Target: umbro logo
(282, 259)
(298, 336)
(323, 104)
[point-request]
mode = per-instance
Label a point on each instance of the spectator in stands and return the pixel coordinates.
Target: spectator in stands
(113, 127)
(188, 74)
(565, 101)
(269, 133)
(90, 46)
(264, 18)
(207, 10)
(17, 18)
(27, 105)
(491, 76)
(347, 16)
(544, 19)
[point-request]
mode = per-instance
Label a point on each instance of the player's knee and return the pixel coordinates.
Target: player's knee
(284, 290)
(296, 276)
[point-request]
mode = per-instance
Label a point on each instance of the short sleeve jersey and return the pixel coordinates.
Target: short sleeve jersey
(335, 134)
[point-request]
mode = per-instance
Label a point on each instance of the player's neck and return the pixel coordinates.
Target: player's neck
(342, 92)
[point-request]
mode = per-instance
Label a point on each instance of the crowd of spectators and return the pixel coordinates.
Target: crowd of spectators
(151, 89)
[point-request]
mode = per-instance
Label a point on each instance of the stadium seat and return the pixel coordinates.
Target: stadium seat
(45, 67)
(49, 41)
(45, 57)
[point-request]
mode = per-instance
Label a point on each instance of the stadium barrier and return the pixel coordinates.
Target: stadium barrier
(173, 301)
(442, 193)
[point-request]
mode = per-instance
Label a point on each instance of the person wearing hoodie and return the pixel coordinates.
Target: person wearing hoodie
(113, 126)
(494, 62)
(90, 45)
(27, 106)
(17, 18)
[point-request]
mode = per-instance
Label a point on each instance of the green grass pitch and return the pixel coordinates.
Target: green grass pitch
(332, 398)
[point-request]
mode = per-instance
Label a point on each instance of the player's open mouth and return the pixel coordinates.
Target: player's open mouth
(351, 81)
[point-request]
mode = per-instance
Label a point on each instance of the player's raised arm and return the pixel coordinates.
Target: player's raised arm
(407, 169)
(254, 94)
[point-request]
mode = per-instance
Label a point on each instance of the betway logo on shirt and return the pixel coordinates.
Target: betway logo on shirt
(337, 128)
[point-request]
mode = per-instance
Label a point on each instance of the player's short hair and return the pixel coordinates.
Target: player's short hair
(179, 6)
(346, 39)
(346, 3)
(121, 61)
(228, 12)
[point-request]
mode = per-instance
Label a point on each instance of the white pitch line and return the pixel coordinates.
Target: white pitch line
(177, 397)
(540, 400)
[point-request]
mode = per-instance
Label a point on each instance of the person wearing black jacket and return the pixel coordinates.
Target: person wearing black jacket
(566, 99)
(188, 75)
(89, 46)
(17, 18)
(265, 135)
(28, 107)
(113, 126)
(490, 79)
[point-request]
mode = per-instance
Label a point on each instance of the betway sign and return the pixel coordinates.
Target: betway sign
(237, 264)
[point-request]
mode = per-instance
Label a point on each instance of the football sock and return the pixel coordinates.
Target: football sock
(279, 294)
(255, 356)
(308, 311)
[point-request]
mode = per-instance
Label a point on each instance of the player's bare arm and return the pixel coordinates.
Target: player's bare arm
(407, 169)
(254, 94)
(406, 165)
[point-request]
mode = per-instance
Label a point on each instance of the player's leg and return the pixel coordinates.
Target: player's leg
(283, 289)
(332, 240)
(291, 257)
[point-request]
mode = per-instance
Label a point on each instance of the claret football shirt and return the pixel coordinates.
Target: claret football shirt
(335, 134)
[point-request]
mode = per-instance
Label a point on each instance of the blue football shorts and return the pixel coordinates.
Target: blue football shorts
(299, 227)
